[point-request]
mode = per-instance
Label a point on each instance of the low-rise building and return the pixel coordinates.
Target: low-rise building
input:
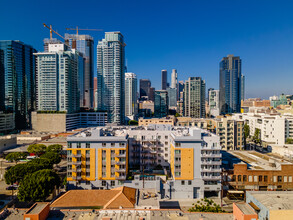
(102, 158)
(169, 120)
(7, 122)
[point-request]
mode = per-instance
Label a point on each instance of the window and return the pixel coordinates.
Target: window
(260, 178)
(78, 145)
(112, 183)
(250, 178)
(275, 178)
(78, 152)
(290, 179)
(69, 159)
(177, 151)
(69, 153)
(112, 144)
(233, 178)
(103, 174)
(69, 145)
(182, 182)
(69, 174)
(285, 179)
(265, 178)
(103, 183)
(87, 152)
(87, 145)
(104, 144)
(279, 178)
(177, 174)
(239, 178)
(244, 178)
(88, 174)
(254, 178)
(189, 182)
(87, 182)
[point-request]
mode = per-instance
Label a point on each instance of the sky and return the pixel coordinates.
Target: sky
(190, 36)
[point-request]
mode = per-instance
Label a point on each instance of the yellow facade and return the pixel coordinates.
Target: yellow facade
(172, 156)
(281, 214)
(83, 164)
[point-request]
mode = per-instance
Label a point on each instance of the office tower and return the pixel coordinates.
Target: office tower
(230, 85)
(214, 102)
(161, 103)
(152, 94)
(131, 107)
(194, 97)
(164, 79)
(58, 71)
(172, 94)
(95, 92)
(48, 41)
(111, 76)
(144, 88)
(174, 79)
(210, 89)
(17, 81)
(242, 87)
(85, 45)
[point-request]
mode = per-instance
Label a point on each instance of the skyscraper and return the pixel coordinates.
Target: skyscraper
(144, 88)
(161, 103)
(111, 76)
(58, 71)
(242, 87)
(164, 79)
(172, 95)
(174, 79)
(152, 94)
(17, 81)
(131, 108)
(214, 102)
(194, 97)
(85, 45)
(230, 85)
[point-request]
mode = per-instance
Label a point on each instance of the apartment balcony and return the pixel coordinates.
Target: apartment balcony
(211, 162)
(88, 169)
(120, 162)
(120, 170)
(88, 162)
(77, 162)
(76, 177)
(211, 177)
(212, 155)
(77, 155)
(77, 169)
(153, 152)
(120, 155)
(120, 178)
(210, 170)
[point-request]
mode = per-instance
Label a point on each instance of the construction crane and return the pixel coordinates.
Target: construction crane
(51, 30)
(79, 29)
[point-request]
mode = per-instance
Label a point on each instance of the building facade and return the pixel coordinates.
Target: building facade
(172, 95)
(230, 85)
(194, 97)
(164, 79)
(214, 103)
(111, 76)
(161, 107)
(58, 72)
(17, 81)
(7, 122)
(85, 45)
(174, 77)
(131, 105)
(144, 89)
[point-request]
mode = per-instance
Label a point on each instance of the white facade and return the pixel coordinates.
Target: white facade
(131, 107)
(174, 79)
(214, 102)
(274, 129)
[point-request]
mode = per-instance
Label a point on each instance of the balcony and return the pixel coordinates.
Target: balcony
(210, 170)
(77, 155)
(77, 162)
(88, 162)
(211, 162)
(120, 178)
(120, 155)
(120, 170)
(120, 162)
(211, 177)
(76, 177)
(77, 169)
(212, 155)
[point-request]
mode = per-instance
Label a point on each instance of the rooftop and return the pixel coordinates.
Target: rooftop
(245, 208)
(274, 200)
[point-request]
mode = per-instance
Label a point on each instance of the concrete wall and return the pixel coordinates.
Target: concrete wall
(264, 213)
(48, 122)
(7, 142)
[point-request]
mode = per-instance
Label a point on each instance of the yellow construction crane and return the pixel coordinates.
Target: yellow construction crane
(79, 29)
(51, 30)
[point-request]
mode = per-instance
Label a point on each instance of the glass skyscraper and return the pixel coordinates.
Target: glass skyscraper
(58, 71)
(161, 104)
(111, 76)
(164, 79)
(144, 88)
(85, 45)
(17, 81)
(131, 95)
(231, 83)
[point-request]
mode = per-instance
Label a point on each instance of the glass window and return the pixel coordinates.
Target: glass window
(112, 183)
(244, 178)
(103, 183)
(279, 178)
(265, 178)
(182, 182)
(239, 178)
(260, 178)
(189, 182)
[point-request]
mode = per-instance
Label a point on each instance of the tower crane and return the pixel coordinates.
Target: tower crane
(80, 29)
(51, 30)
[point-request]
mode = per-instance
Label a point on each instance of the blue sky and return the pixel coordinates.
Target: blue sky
(190, 36)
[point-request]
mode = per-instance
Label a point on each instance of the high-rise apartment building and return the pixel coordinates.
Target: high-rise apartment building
(194, 97)
(161, 103)
(17, 81)
(131, 106)
(111, 76)
(58, 71)
(174, 76)
(164, 79)
(230, 85)
(214, 102)
(172, 94)
(144, 88)
(85, 45)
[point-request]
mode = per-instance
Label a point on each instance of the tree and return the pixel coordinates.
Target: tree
(38, 186)
(206, 205)
(54, 148)
(15, 156)
(132, 122)
(54, 158)
(246, 133)
(37, 149)
(177, 115)
(42, 162)
(19, 171)
(289, 141)
(256, 136)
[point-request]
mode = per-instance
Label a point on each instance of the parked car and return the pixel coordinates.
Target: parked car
(12, 187)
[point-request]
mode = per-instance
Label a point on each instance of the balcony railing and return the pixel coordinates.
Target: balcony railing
(120, 170)
(120, 178)
(211, 177)
(76, 155)
(120, 162)
(210, 170)
(76, 162)
(212, 162)
(120, 155)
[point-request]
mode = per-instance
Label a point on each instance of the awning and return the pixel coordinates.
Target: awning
(254, 206)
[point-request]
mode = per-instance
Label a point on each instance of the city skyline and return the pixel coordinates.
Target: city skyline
(262, 40)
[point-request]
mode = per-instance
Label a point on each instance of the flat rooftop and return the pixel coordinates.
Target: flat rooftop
(245, 208)
(37, 208)
(274, 200)
(255, 160)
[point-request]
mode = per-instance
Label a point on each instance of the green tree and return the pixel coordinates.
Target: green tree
(289, 141)
(38, 186)
(54, 148)
(246, 133)
(42, 162)
(54, 158)
(132, 122)
(15, 156)
(19, 171)
(177, 114)
(256, 136)
(206, 205)
(37, 149)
